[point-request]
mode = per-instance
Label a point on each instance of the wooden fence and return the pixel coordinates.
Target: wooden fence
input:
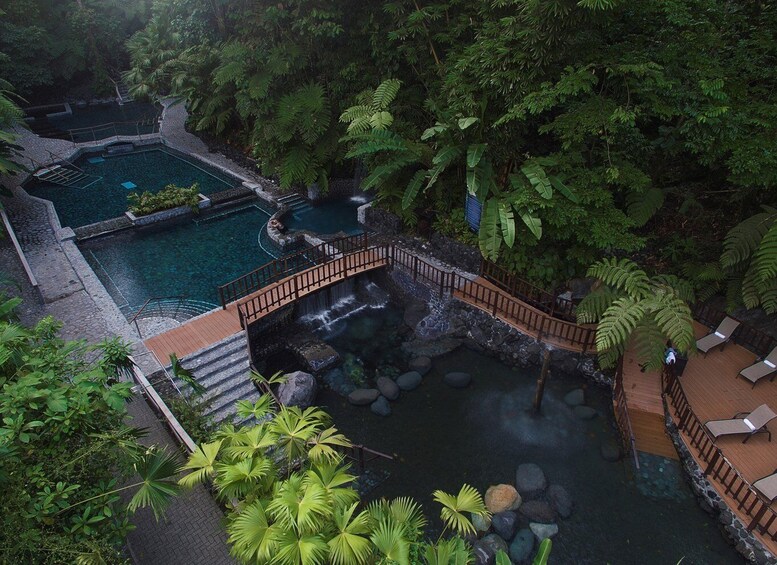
(621, 411)
(284, 281)
(552, 304)
(762, 518)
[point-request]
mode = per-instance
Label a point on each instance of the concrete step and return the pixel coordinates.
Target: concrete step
(224, 348)
(225, 407)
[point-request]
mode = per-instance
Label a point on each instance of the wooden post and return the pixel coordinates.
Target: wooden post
(415, 267)
(540, 391)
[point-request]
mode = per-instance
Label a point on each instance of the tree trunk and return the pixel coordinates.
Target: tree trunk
(540, 391)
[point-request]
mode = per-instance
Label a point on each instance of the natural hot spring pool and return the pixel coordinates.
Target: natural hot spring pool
(443, 437)
(102, 196)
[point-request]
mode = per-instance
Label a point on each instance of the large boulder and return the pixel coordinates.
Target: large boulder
(560, 500)
(584, 412)
(409, 381)
(523, 545)
(485, 550)
(538, 511)
(505, 524)
(388, 388)
(502, 497)
(298, 390)
(575, 397)
(381, 407)
(363, 396)
(421, 365)
(543, 531)
(530, 480)
(457, 379)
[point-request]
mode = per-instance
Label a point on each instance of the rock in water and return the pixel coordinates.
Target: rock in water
(409, 381)
(610, 451)
(363, 396)
(543, 531)
(584, 412)
(481, 524)
(421, 365)
(530, 480)
(505, 524)
(560, 500)
(501, 497)
(338, 382)
(458, 380)
(485, 550)
(538, 511)
(522, 546)
(388, 388)
(299, 390)
(575, 398)
(381, 407)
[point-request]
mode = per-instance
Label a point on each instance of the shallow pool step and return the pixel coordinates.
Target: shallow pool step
(57, 174)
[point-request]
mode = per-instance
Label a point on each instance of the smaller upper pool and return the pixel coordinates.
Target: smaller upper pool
(95, 122)
(103, 194)
(330, 217)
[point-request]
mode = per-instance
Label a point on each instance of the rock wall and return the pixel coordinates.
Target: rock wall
(338, 188)
(449, 318)
(382, 221)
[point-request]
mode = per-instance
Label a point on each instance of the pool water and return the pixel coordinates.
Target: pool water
(329, 217)
(141, 115)
(102, 196)
(443, 437)
(189, 257)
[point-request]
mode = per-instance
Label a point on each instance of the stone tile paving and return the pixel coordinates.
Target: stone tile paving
(192, 531)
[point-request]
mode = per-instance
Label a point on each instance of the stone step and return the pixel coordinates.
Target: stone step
(225, 407)
(214, 374)
(223, 348)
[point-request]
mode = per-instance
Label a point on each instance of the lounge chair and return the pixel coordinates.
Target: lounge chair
(719, 337)
(743, 423)
(767, 486)
(761, 369)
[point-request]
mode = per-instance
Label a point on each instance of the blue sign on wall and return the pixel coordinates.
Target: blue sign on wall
(472, 210)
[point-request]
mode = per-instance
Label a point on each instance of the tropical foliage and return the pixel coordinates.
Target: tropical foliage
(291, 497)
(629, 304)
(584, 128)
(170, 196)
(67, 454)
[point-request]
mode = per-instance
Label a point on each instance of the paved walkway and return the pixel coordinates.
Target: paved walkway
(192, 532)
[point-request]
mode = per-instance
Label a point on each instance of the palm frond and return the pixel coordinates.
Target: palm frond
(252, 537)
(743, 239)
(618, 322)
(201, 463)
(157, 470)
(623, 274)
(454, 508)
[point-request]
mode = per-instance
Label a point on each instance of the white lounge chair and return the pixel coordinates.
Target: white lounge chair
(761, 369)
(719, 337)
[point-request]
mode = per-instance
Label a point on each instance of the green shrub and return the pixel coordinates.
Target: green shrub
(454, 224)
(191, 415)
(170, 196)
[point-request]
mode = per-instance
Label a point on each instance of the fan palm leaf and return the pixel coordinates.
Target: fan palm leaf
(452, 551)
(348, 545)
(323, 447)
(307, 549)
(389, 539)
(157, 470)
(252, 537)
(333, 479)
(454, 508)
(202, 464)
(236, 480)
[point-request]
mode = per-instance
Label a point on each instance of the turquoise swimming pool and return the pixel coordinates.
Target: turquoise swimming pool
(103, 194)
(189, 257)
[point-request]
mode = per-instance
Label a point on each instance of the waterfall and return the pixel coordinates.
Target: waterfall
(325, 310)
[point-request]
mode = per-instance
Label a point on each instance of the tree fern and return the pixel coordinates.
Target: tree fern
(594, 304)
(618, 322)
(413, 187)
(743, 239)
(623, 274)
(642, 206)
(765, 258)
(385, 94)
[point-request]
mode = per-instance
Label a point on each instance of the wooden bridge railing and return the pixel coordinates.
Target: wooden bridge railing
(291, 288)
(326, 265)
(621, 411)
(550, 303)
(285, 266)
(762, 518)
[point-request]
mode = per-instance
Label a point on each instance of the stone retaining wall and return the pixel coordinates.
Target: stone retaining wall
(709, 500)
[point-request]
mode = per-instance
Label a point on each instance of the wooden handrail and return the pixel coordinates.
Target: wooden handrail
(548, 302)
(621, 411)
(762, 517)
(284, 284)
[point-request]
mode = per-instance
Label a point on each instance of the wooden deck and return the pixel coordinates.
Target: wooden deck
(715, 392)
(511, 320)
(215, 326)
(646, 409)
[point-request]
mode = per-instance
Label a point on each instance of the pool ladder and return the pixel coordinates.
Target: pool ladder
(63, 176)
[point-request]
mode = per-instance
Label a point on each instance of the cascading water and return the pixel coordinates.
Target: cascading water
(326, 311)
